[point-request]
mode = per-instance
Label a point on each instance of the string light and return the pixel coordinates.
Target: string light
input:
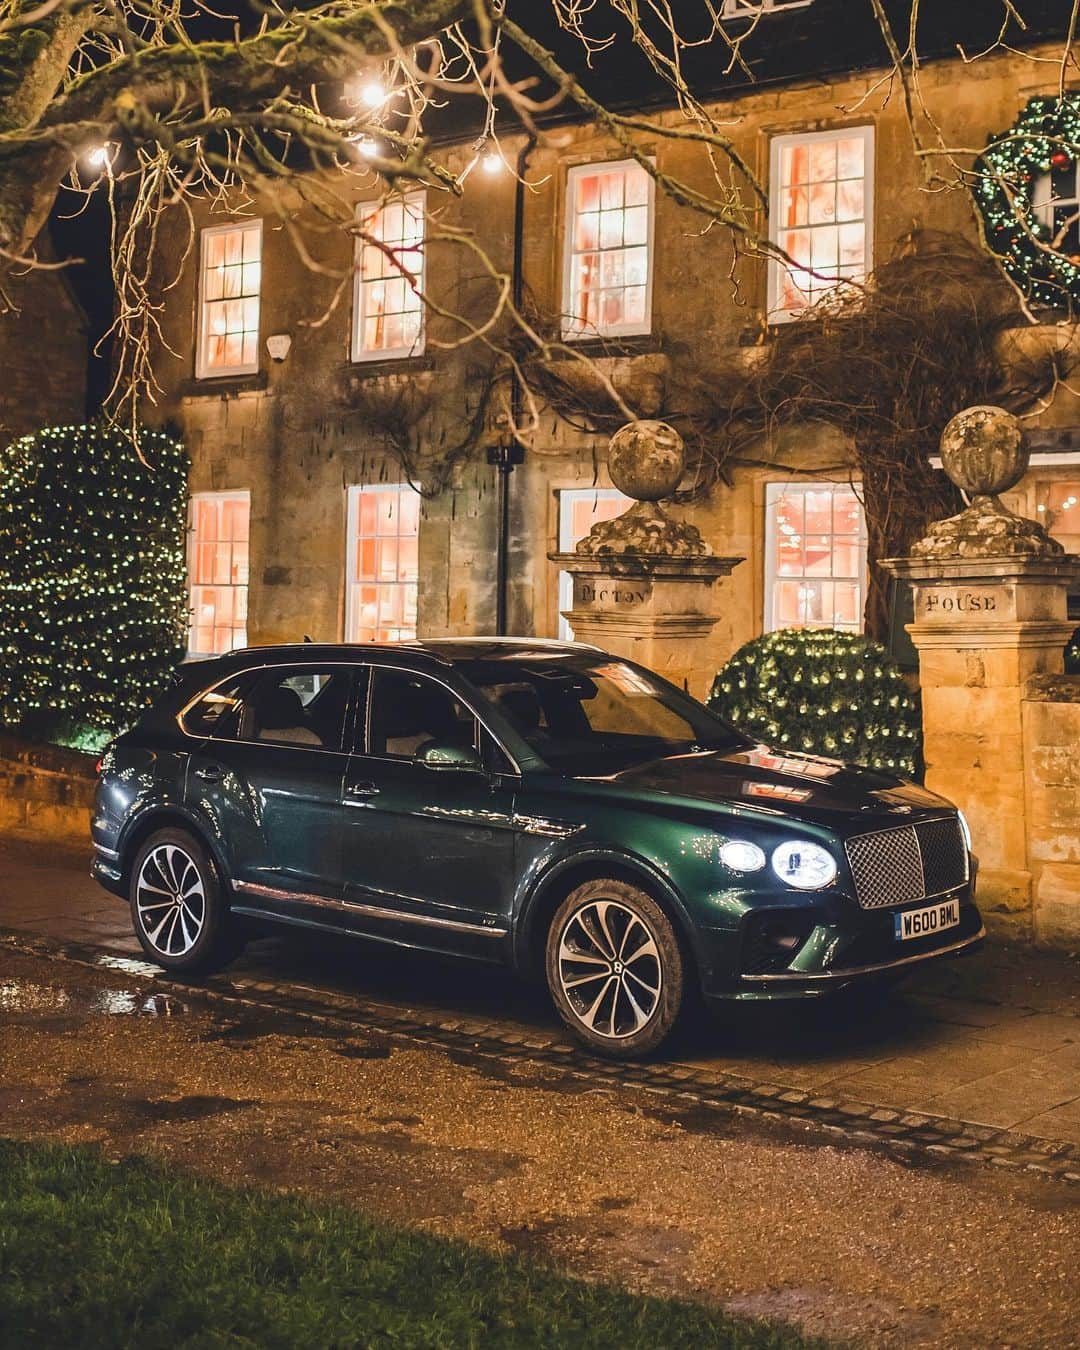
(93, 604)
(373, 95)
(822, 692)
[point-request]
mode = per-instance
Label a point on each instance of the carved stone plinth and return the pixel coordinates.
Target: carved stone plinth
(656, 609)
(990, 590)
(983, 628)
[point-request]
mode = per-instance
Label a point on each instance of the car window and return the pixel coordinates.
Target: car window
(410, 712)
(216, 712)
(587, 715)
(298, 707)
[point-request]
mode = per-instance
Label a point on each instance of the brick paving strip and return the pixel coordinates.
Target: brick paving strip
(903, 1134)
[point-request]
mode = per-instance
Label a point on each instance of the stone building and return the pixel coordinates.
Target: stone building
(43, 353)
(300, 389)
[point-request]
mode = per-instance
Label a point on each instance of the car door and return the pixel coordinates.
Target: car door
(268, 779)
(430, 842)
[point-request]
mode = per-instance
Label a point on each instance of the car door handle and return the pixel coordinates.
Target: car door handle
(210, 773)
(357, 795)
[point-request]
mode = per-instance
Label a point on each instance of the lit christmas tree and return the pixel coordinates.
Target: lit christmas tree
(93, 605)
(822, 692)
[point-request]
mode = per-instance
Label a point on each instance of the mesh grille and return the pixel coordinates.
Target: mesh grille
(895, 867)
(944, 855)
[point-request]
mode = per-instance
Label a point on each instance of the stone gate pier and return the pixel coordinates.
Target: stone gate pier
(645, 583)
(1001, 722)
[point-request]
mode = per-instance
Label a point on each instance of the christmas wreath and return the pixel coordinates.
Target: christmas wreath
(823, 692)
(1026, 189)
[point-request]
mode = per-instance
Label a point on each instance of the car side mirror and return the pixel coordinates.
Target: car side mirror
(438, 755)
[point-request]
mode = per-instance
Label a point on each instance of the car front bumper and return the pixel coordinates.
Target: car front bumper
(802, 983)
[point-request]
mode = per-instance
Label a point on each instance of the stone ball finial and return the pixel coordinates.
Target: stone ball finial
(646, 460)
(983, 451)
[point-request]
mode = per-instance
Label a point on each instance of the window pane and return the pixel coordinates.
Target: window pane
(409, 712)
(299, 707)
(815, 533)
(218, 572)
(389, 282)
(216, 713)
(231, 282)
(1058, 509)
(383, 554)
(821, 182)
(608, 266)
(579, 510)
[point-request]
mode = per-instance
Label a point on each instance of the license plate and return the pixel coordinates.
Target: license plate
(917, 923)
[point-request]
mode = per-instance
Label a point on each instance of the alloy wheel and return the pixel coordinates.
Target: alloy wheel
(609, 969)
(170, 900)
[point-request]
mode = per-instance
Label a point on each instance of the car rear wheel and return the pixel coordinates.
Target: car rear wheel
(177, 906)
(615, 969)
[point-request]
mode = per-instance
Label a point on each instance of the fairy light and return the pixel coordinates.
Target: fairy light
(92, 578)
(824, 692)
(373, 94)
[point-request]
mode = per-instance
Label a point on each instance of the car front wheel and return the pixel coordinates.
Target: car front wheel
(615, 969)
(177, 906)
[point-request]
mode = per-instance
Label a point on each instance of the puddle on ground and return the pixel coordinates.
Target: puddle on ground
(23, 996)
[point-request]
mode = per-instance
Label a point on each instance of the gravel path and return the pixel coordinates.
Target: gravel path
(841, 1241)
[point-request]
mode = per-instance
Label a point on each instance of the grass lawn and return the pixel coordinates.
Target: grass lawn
(99, 1254)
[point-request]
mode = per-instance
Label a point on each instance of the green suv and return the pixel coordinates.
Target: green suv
(535, 803)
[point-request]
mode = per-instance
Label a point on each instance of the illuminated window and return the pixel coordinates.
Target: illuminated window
(1058, 509)
(229, 300)
(383, 537)
(815, 557)
(579, 510)
(821, 191)
(388, 313)
(609, 226)
(218, 545)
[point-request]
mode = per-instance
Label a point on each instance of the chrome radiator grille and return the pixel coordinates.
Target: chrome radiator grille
(912, 862)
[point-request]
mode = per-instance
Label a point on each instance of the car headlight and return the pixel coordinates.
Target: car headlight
(805, 865)
(740, 855)
(965, 829)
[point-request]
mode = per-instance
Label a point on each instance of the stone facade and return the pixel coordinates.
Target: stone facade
(43, 355)
(302, 430)
(1051, 727)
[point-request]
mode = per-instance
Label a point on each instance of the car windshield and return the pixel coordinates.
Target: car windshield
(591, 715)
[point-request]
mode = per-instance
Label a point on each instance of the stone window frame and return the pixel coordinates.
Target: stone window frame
(776, 312)
(749, 9)
(774, 490)
(203, 370)
(238, 588)
(415, 201)
(353, 542)
(572, 331)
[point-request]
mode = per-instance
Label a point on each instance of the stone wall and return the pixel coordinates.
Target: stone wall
(43, 355)
(45, 791)
(1051, 721)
